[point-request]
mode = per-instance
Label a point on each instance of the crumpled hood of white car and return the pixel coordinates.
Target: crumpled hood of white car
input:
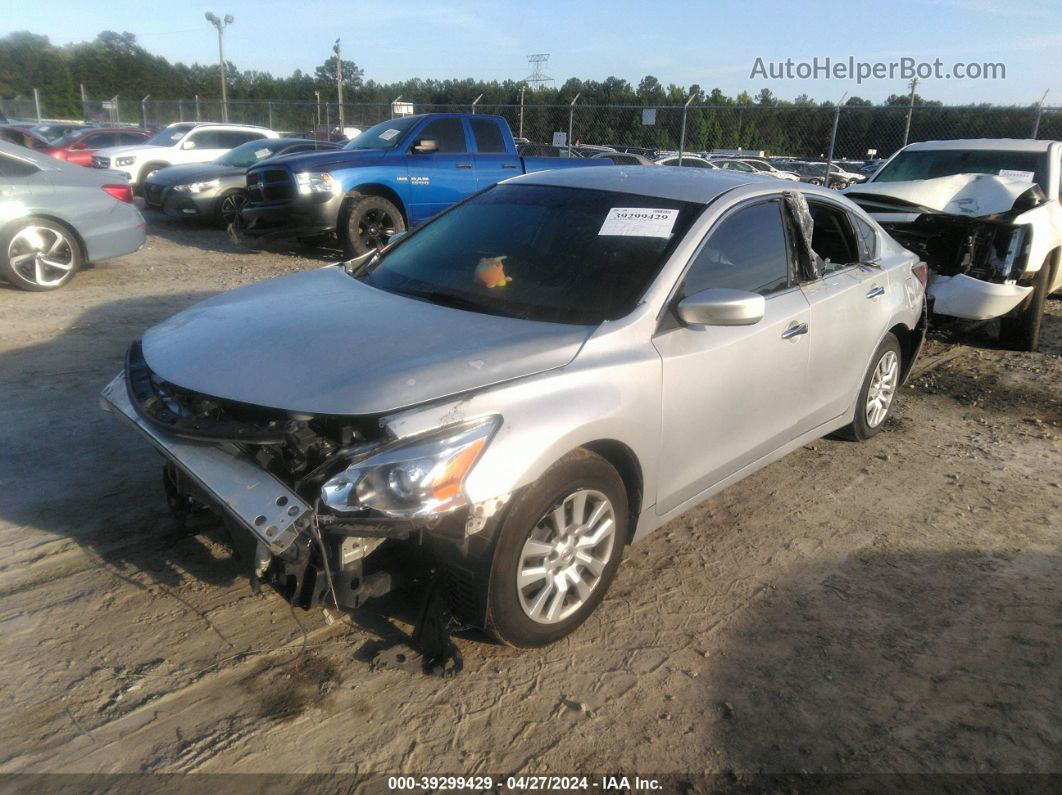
(322, 342)
(972, 195)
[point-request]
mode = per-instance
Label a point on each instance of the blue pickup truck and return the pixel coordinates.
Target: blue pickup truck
(392, 177)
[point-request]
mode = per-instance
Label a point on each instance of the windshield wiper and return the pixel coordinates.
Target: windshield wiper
(453, 300)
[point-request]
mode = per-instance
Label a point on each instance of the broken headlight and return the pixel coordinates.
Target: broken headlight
(422, 477)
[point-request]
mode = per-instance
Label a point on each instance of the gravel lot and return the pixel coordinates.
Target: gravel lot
(892, 606)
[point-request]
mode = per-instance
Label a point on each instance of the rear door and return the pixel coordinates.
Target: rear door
(441, 178)
(494, 162)
(848, 312)
(733, 394)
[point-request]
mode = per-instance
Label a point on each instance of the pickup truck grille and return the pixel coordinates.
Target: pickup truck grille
(270, 185)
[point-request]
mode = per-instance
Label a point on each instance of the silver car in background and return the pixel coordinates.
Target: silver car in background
(56, 217)
(531, 381)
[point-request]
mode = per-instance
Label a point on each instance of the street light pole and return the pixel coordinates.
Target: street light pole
(339, 84)
(221, 24)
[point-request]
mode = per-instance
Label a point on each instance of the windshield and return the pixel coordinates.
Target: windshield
(384, 135)
(169, 136)
(70, 138)
(246, 155)
(565, 255)
(930, 163)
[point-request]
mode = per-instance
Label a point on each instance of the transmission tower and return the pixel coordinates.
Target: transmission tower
(535, 63)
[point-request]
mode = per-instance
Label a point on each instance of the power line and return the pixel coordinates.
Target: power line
(535, 63)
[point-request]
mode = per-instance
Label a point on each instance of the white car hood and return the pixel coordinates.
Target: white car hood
(118, 151)
(972, 195)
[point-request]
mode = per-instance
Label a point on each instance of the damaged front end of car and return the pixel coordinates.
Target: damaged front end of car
(973, 231)
(324, 508)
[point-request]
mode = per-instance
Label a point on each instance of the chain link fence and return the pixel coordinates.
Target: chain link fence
(846, 132)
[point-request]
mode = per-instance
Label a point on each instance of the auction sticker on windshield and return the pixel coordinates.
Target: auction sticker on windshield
(1024, 176)
(639, 222)
(387, 135)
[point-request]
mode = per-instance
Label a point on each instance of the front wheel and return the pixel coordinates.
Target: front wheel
(370, 222)
(1020, 331)
(878, 391)
(557, 552)
(38, 255)
(229, 207)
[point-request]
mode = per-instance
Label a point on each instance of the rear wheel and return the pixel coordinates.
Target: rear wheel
(1020, 330)
(38, 255)
(370, 223)
(878, 391)
(558, 551)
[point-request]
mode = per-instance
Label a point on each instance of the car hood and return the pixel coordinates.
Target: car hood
(323, 161)
(194, 172)
(322, 342)
(131, 149)
(972, 195)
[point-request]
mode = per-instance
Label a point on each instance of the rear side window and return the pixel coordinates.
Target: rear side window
(13, 167)
(130, 138)
(747, 251)
(488, 136)
(449, 134)
(832, 238)
(99, 141)
(868, 240)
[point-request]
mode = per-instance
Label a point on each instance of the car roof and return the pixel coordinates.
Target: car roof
(1001, 144)
(666, 182)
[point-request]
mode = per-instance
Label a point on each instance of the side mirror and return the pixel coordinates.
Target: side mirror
(720, 306)
(188, 145)
(425, 146)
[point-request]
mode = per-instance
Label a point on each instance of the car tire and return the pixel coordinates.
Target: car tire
(228, 207)
(537, 612)
(39, 255)
(881, 383)
(368, 223)
(1020, 329)
(814, 181)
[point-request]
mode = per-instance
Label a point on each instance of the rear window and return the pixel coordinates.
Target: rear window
(932, 163)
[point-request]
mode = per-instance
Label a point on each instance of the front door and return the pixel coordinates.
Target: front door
(443, 177)
(733, 394)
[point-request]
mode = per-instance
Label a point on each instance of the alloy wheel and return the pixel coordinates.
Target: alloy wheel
(231, 206)
(376, 227)
(41, 255)
(882, 388)
(564, 557)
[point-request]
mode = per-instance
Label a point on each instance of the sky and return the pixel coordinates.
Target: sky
(713, 44)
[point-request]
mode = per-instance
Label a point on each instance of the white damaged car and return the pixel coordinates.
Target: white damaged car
(985, 216)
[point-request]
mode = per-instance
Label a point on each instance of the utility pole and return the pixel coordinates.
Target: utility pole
(318, 123)
(339, 84)
(521, 133)
(1039, 113)
(910, 109)
(37, 103)
(476, 102)
(571, 115)
(221, 24)
(682, 134)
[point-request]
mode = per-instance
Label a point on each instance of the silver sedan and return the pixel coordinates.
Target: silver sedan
(528, 383)
(55, 218)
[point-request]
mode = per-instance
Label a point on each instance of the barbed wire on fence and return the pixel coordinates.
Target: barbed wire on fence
(798, 131)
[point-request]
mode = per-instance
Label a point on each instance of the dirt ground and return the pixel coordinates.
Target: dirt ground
(894, 606)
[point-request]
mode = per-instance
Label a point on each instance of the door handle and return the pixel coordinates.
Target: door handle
(464, 165)
(874, 292)
(795, 330)
(508, 165)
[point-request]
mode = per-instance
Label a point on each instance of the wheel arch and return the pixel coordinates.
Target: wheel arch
(374, 189)
(910, 341)
(625, 461)
(69, 227)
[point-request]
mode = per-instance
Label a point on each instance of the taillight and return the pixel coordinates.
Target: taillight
(58, 154)
(122, 193)
(921, 272)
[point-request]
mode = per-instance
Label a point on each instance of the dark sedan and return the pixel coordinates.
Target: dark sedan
(216, 191)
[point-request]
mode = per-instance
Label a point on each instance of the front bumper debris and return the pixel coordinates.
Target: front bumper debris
(965, 297)
(256, 500)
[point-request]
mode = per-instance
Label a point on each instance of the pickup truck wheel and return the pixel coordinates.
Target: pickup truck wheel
(558, 550)
(878, 391)
(370, 223)
(1020, 330)
(38, 255)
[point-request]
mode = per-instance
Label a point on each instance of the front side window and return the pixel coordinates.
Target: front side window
(746, 251)
(565, 255)
(449, 134)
